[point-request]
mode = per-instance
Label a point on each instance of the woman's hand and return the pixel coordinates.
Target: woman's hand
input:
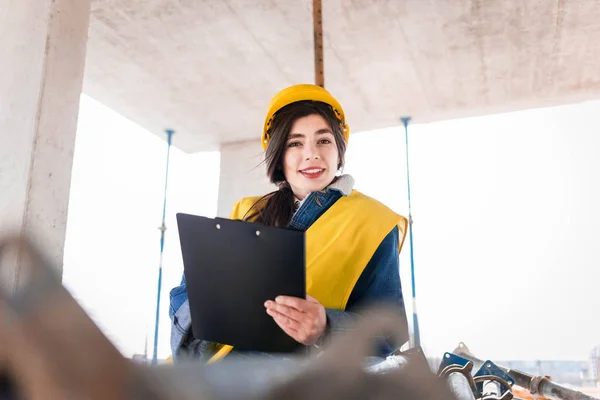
(303, 320)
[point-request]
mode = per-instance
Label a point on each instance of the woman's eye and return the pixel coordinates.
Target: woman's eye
(324, 141)
(293, 144)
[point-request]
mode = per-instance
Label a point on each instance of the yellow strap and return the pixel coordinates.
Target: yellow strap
(219, 355)
(340, 244)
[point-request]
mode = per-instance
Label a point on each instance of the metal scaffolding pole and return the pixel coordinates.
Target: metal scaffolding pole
(162, 228)
(415, 337)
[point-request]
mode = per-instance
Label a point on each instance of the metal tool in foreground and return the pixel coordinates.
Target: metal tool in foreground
(541, 386)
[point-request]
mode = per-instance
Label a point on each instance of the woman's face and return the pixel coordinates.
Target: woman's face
(310, 159)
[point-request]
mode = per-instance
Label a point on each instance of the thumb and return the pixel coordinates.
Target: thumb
(312, 299)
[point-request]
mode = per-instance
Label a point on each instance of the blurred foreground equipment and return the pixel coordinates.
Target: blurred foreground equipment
(50, 349)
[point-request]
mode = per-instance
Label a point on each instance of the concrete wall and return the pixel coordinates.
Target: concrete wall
(242, 174)
(41, 71)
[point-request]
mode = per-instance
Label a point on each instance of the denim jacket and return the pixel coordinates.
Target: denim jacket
(378, 283)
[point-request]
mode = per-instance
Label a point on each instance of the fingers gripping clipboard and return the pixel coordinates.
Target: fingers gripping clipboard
(231, 268)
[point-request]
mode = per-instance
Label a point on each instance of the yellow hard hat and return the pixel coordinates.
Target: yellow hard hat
(297, 93)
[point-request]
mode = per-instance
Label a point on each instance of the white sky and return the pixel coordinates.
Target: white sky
(506, 211)
(113, 242)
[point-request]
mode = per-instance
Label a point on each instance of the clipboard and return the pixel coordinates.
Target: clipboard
(231, 268)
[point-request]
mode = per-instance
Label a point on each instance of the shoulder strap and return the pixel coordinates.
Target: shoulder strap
(241, 208)
(340, 244)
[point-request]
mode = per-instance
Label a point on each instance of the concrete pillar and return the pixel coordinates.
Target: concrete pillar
(42, 55)
(242, 174)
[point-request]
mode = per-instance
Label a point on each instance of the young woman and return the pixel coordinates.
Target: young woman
(352, 241)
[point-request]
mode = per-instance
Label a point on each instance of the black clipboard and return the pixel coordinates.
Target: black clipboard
(231, 268)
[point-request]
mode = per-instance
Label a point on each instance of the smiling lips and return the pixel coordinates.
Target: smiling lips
(312, 173)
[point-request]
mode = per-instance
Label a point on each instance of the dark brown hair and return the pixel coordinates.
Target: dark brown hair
(279, 205)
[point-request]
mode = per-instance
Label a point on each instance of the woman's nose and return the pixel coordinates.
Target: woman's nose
(311, 152)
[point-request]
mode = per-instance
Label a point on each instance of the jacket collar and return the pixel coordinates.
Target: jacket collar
(343, 184)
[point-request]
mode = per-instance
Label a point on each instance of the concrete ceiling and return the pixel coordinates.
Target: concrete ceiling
(208, 68)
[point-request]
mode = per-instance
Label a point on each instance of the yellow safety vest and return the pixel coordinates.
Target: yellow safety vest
(339, 246)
